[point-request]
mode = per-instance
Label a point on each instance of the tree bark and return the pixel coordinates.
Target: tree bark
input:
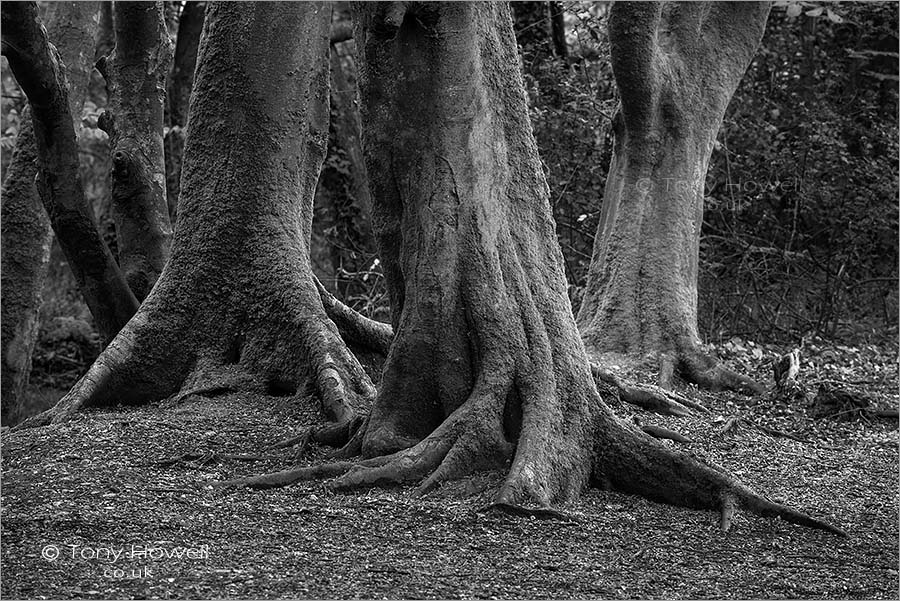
(106, 32)
(487, 369)
(26, 238)
(676, 66)
(190, 25)
(36, 66)
(135, 76)
(237, 306)
(26, 235)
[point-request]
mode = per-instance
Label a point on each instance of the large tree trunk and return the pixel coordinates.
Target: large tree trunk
(487, 368)
(26, 233)
(676, 66)
(36, 66)
(181, 81)
(237, 305)
(135, 76)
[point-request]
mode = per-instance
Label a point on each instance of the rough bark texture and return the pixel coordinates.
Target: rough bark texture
(135, 76)
(237, 305)
(676, 66)
(38, 69)
(487, 368)
(181, 80)
(26, 238)
(26, 233)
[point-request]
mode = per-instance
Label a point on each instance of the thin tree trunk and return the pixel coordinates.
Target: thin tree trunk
(135, 79)
(347, 132)
(27, 236)
(558, 29)
(190, 25)
(676, 66)
(237, 307)
(106, 32)
(344, 192)
(37, 68)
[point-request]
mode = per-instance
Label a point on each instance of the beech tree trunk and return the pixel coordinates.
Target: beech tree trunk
(135, 76)
(676, 65)
(237, 307)
(181, 81)
(26, 233)
(36, 66)
(487, 368)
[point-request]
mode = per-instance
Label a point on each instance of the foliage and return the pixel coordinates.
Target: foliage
(800, 232)
(800, 228)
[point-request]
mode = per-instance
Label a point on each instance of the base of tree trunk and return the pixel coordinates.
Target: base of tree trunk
(166, 351)
(621, 457)
(689, 363)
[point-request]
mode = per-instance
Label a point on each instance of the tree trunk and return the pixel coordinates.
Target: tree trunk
(676, 66)
(106, 31)
(36, 66)
(558, 29)
(487, 369)
(27, 236)
(190, 25)
(135, 76)
(237, 306)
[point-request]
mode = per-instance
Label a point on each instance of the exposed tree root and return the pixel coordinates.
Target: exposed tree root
(542, 513)
(688, 362)
(621, 457)
(643, 466)
(651, 398)
(333, 435)
(734, 421)
(355, 327)
(706, 372)
(664, 433)
(154, 358)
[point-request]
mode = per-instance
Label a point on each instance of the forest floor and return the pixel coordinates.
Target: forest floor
(105, 505)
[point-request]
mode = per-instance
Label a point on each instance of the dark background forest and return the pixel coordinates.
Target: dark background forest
(800, 224)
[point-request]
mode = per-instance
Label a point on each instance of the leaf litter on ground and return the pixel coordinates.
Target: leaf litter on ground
(141, 476)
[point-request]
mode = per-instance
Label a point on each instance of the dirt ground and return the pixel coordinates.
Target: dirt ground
(102, 507)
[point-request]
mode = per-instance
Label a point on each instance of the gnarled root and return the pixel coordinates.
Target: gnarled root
(706, 372)
(464, 443)
(163, 351)
(640, 465)
(124, 372)
(651, 398)
(353, 326)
